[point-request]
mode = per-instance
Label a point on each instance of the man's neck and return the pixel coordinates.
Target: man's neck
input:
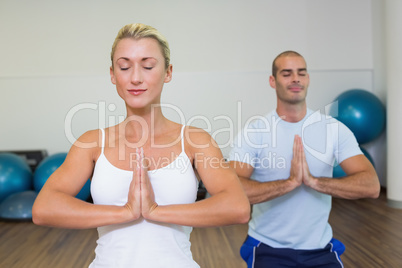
(292, 113)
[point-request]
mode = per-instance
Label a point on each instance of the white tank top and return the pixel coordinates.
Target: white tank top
(144, 243)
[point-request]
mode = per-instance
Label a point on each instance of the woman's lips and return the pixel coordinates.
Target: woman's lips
(136, 92)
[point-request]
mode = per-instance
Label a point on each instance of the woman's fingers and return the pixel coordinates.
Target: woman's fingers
(148, 203)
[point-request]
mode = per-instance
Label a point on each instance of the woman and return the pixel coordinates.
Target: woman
(143, 170)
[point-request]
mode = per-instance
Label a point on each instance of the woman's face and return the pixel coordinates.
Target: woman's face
(139, 72)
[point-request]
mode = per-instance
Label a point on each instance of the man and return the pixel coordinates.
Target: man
(285, 161)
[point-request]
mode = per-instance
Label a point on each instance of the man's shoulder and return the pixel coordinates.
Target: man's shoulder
(261, 121)
(315, 116)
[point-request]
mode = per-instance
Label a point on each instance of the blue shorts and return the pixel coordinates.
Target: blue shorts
(258, 255)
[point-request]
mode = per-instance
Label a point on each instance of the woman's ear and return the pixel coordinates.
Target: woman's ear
(112, 77)
(168, 76)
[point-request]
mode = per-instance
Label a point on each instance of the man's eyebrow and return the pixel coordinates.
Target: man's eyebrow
(285, 70)
(290, 70)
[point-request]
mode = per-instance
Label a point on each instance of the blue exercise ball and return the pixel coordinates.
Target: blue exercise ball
(15, 175)
(48, 166)
(362, 112)
(338, 172)
(85, 192)
(18, 206)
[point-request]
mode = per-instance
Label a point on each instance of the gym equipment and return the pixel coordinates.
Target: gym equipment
(32, 157)
(46, 168)
(15, 175)
(362, 112)
(18, 206)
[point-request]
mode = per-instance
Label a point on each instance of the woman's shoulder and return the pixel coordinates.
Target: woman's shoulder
(86, 147)
(94, 135)
(196, 132)
(89, 141)
(198, 138)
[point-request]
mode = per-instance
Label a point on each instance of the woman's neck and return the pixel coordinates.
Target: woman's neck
(144, 122)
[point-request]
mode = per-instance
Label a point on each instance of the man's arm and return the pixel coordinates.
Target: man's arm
(361, 180)
(258, 192)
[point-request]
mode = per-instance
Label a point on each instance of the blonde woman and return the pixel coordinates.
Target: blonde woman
(143, 170)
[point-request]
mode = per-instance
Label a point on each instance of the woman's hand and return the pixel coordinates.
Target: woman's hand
(148, 204)
(134, 194)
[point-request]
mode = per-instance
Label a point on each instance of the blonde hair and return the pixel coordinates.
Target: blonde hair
(138, 31)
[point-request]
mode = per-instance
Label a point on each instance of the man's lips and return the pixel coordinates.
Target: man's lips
(136, 92)
(295, 88)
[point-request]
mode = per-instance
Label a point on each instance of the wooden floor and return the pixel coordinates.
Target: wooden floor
(371, 231)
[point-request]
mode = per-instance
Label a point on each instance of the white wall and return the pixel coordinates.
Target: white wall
(53, 37)
(55, 56)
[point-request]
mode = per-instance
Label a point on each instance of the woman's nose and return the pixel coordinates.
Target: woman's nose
(136, 77)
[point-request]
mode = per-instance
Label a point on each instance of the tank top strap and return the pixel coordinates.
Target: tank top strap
(182, 138)
(103, 140)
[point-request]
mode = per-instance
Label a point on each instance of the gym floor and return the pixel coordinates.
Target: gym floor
(371, 231)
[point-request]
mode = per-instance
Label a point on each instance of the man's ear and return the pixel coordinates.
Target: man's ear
(272, 81)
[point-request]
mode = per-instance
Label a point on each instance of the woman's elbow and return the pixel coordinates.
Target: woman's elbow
(38, 214)
(245, 217)
(243, 213)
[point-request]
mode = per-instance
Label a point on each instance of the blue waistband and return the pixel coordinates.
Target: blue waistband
(251, 241)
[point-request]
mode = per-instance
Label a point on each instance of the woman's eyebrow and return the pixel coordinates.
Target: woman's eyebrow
(123, 58)
(149, 58)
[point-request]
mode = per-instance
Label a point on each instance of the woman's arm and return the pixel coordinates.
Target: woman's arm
(56, 204)
(228, 203)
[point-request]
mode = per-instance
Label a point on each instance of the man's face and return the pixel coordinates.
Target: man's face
(291, 81)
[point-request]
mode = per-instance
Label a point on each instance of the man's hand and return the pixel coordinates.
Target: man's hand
(296, 168)
(308, 179)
